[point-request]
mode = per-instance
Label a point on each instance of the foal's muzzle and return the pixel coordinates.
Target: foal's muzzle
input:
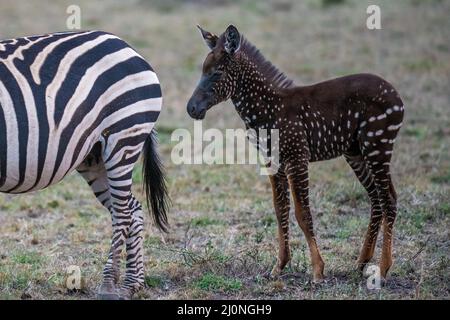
(197, 107)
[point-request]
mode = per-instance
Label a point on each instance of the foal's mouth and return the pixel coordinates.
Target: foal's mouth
(197, 110)
(198, 115)
(201, 116)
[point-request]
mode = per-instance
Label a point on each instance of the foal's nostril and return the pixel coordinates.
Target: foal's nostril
(191, 108)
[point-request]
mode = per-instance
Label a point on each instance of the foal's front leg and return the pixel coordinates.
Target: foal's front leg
(298, 179)
(280, 189)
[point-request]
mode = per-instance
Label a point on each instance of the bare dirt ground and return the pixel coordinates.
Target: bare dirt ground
(223, 230)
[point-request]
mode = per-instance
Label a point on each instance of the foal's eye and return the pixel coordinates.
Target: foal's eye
(215, 73)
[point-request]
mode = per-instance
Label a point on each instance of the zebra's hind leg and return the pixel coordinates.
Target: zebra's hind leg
(365, 177)
(119, 180)
(134, 274)
(93, 171)
(127, 214)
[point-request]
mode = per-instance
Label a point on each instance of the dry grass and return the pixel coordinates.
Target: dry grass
(223, 235)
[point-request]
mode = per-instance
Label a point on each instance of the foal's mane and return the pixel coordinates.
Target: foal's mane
(277, 78)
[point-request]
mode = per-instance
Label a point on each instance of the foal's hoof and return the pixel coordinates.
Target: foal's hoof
(359, 269)
(275, 273)
(361, 265)
(318, 279)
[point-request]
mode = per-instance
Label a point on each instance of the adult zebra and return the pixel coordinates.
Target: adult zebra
(84, 101)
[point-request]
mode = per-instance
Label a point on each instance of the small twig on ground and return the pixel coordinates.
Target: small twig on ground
(187, 239)
(420, 250)
(420, 282)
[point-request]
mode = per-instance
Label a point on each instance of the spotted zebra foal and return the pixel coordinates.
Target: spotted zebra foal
(84, 101)
(357, 116)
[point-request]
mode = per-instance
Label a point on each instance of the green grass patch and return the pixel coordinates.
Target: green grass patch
(152, 241)
(204, 221)
(165, 134)
(350, 196)
(444, 209)
(214, 254)
(137, 174)
(268, 220)
(414, 221)
(327, 3)
(30, 257)
(441, 179)
(213, 282)
(343, 233)
(53, 204)
(20, 281)
(416, 132)
(154, 281)
(420, 65)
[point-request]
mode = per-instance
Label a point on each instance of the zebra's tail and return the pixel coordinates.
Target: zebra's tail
(155, 182)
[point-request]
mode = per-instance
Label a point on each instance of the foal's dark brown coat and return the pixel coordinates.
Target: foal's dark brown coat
(357, 116)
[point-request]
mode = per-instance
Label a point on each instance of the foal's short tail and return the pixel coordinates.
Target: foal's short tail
(155, 182)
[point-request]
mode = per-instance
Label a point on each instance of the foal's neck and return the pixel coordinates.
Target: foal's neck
(257, 101)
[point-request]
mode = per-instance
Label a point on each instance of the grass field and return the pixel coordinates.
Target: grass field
(223, 229)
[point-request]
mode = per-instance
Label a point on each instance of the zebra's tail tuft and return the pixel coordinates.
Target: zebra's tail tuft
(155, 183)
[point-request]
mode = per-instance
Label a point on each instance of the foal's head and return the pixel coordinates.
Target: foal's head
(219, 73)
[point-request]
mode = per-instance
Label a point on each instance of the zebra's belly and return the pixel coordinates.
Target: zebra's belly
(31, 173)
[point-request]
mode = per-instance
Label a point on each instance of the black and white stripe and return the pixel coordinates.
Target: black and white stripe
(83, 101)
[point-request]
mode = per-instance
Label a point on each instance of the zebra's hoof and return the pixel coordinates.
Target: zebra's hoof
(107, 291)
(125, 294)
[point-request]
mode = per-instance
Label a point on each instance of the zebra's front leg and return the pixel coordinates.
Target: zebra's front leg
(280, 189)
(134, 274)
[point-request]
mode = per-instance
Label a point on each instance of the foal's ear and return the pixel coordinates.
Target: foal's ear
(232, 39)
(210, 38)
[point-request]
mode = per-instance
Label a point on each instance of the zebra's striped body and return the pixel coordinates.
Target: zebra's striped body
(81, 101)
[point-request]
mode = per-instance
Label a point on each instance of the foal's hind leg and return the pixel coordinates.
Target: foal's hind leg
(365, 176)
(379, 163)
(280, 191)
(389, 203)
